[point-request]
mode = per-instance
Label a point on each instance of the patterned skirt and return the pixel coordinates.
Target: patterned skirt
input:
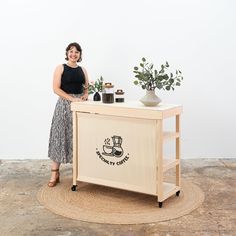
(60, 140)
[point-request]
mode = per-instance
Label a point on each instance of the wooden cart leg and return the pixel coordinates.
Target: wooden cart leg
(75, 153)
(159, 155)
(177, 150)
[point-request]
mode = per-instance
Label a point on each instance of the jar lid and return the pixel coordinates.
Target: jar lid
(119, 91)
(108, 85)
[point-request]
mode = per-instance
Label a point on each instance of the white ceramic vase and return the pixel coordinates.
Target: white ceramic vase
(150, 99)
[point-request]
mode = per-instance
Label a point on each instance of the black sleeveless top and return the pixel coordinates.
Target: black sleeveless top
(72, 80)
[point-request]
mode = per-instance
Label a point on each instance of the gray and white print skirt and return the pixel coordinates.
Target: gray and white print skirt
(60, 140)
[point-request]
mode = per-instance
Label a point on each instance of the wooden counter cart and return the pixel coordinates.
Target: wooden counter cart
(120, 145)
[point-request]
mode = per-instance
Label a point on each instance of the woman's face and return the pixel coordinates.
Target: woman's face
(73, 54)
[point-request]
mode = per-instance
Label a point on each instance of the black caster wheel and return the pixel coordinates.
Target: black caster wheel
(160, 204)
(73, 188)
(177, 193)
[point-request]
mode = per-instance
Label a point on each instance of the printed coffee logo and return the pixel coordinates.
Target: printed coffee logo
(112, 151)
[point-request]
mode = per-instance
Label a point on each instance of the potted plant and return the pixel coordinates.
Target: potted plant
(149, 79)
(95, 88)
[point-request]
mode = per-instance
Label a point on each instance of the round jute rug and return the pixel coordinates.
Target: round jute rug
(99, 204)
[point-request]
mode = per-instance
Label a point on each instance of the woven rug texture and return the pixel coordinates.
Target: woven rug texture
(100, 204)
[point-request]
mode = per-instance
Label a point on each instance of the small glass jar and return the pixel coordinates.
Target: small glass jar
(119, 95)
(108, 93)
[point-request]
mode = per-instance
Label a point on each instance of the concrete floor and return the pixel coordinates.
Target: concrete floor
(21, 214)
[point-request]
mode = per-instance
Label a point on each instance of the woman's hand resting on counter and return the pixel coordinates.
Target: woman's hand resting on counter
(84, 97)
(80, 99)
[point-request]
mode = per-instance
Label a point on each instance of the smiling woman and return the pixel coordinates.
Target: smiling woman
(70, 83)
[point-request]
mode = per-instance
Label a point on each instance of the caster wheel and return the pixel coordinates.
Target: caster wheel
(160, 204)
(73, 188)
(177, 193)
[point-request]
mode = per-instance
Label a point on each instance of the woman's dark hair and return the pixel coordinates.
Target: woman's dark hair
(78, 48)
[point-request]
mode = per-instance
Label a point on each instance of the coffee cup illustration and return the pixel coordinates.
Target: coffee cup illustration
(115, 149)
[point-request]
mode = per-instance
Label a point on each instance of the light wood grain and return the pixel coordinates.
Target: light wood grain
(177, 147)
(142, 165)
(128, 109)
(75, 146)
(159, 156)
(138, 141)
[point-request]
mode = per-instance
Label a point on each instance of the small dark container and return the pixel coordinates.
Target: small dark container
(108, 98)
(119, 95)
(120, 99)
(108, 93)
(97, 97)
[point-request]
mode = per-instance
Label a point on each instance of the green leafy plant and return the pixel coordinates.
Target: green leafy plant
(96, 86)
(149, 78)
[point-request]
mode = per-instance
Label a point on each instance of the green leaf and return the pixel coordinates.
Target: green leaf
(143, 59)
(165, 76)
(136, 82)
(135, 68)
(177, 84)
(141, 64)
(168, 88)
(171, 75)
(143, 87)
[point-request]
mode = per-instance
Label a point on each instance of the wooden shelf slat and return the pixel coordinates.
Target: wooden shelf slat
(169, 190)
(170, 135)
(169, 163)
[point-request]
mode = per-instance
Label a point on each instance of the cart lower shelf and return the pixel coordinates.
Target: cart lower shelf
(169, 189)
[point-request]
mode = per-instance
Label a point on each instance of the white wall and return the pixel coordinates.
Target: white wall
(197, 37)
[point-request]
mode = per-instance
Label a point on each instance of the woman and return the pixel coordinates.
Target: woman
(70, 83)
